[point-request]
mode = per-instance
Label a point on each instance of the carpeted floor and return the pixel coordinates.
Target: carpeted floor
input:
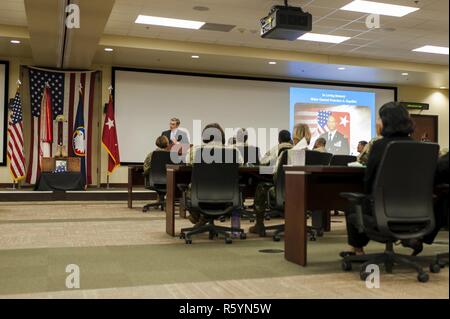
(123, 253)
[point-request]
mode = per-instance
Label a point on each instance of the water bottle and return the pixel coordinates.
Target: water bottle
(235, 223)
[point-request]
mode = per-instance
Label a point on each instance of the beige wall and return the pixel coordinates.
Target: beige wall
(438, 100)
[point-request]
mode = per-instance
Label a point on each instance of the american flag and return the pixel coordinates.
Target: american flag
(15, 142)
(64, 89)
(317, 120)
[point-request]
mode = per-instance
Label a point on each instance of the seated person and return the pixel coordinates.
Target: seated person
(241, 137)
(363, 156)
(284, 142)
(361, 146)
(302, 136)
(162, 144)
(395, 125)
(213, 136)
(319, 145)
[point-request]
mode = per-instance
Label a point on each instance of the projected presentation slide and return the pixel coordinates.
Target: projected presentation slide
(342, 118)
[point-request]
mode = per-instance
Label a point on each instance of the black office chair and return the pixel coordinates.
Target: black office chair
(441, 192)
(315, 158)
(401, 205)
(342, 160)
(156, 179)
(250, 154)
(214, 192)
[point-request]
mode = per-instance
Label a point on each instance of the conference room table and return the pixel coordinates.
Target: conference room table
(314, 188)
(181, 174)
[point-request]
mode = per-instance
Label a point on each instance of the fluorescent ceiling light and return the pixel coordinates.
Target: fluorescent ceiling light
(341, 68)
(195, 57)
(15, 41)
(432, 49)
(323, 38)
(168, 22)
(379, 8)
(272, 62)
(109, 49)
(405, 73)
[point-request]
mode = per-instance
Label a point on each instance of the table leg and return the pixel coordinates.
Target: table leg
(130, 187)
(170, 203)
(295, 238)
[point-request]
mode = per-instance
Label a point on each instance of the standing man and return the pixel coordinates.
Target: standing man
(337, 144)
(174, 134)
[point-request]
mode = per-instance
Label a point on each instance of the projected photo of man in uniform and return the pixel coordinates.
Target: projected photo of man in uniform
(337, 143)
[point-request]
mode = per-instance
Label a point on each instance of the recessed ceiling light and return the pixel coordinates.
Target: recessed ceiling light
(405, 73)
(195, 57)
(323, 38)
(109, 49)
(342, 68)
(272, 62)
(432, 49)
(15, 41)
(168, 22)
(379, 8)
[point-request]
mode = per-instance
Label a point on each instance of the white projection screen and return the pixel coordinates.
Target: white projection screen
(145, 101)
(3, 110)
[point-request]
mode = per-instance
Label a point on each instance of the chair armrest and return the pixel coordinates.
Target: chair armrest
(356, 198)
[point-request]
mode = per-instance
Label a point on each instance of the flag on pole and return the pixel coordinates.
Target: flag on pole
(46, 125)
(109, 137)
(79, 136)
(15, 140)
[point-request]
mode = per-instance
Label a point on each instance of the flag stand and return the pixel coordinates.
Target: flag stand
(107, 181)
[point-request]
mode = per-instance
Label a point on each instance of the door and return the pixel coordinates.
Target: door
(426, 127)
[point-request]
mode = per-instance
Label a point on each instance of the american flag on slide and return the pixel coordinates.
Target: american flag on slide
(317, 120)
(15, 141)
(65, 87)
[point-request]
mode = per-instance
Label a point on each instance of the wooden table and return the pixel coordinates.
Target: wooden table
(181, 174)
(314, 188)
(135, 177)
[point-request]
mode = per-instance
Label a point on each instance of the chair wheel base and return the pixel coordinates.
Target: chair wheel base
(423, 277)
(188, 241)
(435, 268)
(243, 236)
(346, 265)
(228, 241)
(276, 238)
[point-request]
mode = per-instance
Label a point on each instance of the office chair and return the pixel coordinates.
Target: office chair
(342, 160)
(314, 158)
(214, 193)
(277, 204)
(156, 179)
(441, 192)
(400, 206)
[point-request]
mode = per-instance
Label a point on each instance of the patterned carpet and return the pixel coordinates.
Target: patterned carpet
(123, 253)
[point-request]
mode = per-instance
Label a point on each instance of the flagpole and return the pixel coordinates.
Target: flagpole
(19, 83)
(110, 88)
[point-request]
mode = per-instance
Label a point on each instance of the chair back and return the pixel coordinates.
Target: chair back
(342, 160)
(280, 184)
(250, 154)
(315, 158)
(215, 181)
(403, 189)
(157, 175)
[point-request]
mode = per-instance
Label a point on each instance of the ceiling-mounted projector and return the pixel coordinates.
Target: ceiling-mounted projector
(286, 23)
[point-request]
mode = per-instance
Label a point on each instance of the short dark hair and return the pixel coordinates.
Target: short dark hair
(363, 143)
(241, 135)
(320, 141)
(284, 136)
(176, 120)
(213, 132)
(396, 120)
(162, 142)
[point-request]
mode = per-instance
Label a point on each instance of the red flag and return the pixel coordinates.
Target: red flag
(343, 123)
(46, 124)
(109, 138)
